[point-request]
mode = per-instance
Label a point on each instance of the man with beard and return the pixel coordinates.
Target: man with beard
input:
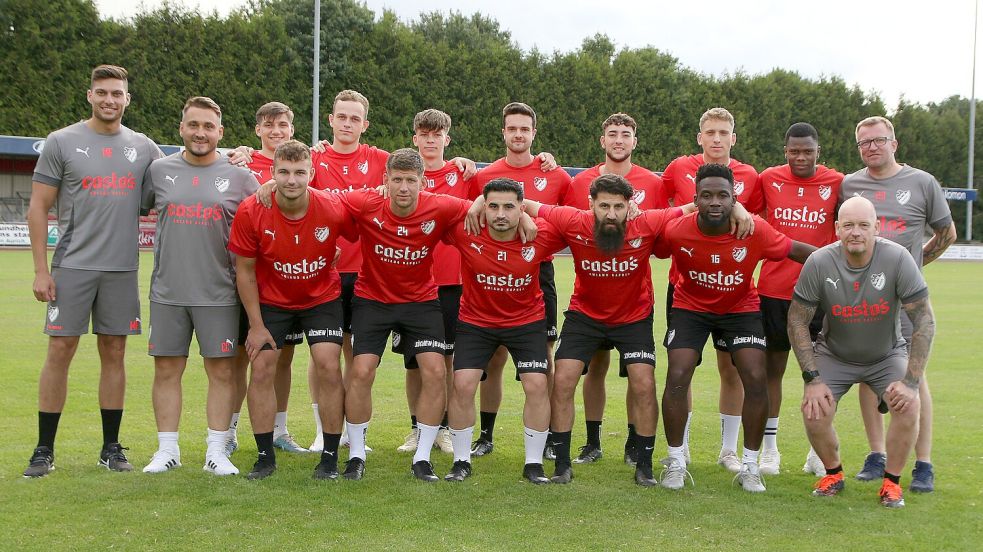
(715, 294)
(545, 183)
(618, 140)
(196, 195)
(800, 200)
(611, 262)
(860, 282)
(93, 171)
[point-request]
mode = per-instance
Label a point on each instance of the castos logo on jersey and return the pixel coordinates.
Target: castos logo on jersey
(863, 312)
(194, 212)
(739, 253)
(539, 182)
(878, 280)
(610, 267)
(738, 187)
(221, 184)
(428, 226)
(528, 253)
(321, 233)
(406, 255)
(825, 192)
(718, 278)
(902, 196)
(510, 281)
(109, 182)
(802, 214)
(130, 153)
(303, 269)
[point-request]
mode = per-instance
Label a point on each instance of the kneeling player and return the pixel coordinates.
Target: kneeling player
(286, 278)
(715, 293)
(859, 283)
(502, 305)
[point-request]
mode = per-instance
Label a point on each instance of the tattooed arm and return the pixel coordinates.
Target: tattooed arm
(799, 316)
(923, 320)
(936, 246)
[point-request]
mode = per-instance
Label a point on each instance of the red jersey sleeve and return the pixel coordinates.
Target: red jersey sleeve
(756, 199)
(560, 217)
(669, 181)
(549, 237)
(656, 219)
(242, 237)
(354, 200)
(774, 245)
(452, 208)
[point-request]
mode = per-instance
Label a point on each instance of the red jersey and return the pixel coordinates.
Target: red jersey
(802, 209)
(647, 186)
(716, 273)
(293, 257)
(612, 290)
(446, 180)
(337, 172)
(501, 279)
(397, 251)
(548, 188)
(262, 167)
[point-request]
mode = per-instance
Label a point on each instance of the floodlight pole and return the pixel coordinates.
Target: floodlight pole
(972, 126)
(317, 75)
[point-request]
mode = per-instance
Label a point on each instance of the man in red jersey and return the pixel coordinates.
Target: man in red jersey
(800, 202)
(502, 306)
(541, 181)
(395, 291)
(431, 129)
(611, 262)
(716, 138)
(715, 294)
(286, 281)
(618, 140)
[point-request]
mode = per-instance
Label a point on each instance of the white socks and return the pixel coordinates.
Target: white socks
(678, 453)
(689, 418)
(279, 424)
(771, 434)
(215, 442)
(233, 426)
(167, 440)
(428, 434)
(356, 440)
(749, 457)
(461, 439)
(535, 443)
(730, 426)
(317, 420)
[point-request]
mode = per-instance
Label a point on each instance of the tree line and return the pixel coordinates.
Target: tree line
(465, 65)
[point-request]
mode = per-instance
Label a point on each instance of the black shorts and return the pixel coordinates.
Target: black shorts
(547, 282)
(347, 293)
(294, 337)
(419, 324)
(320, 323)
(526, 344)
(689, 330)
(450, 306)
(719, 343)
(582, 336)
(774, 318)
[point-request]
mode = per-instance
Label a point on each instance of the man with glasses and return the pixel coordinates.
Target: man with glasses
(906, 200)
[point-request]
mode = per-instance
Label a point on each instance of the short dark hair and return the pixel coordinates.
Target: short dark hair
(503, 185)
(801, 130)
(272, 110)
(431, 120)
(405, 159)
(713, 169)
(291, 150)
(620, 119)
(109, 72)
(202, 102)
(518, 108)
(611, 184)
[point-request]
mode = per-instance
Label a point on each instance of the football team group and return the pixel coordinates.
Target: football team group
(346, 244)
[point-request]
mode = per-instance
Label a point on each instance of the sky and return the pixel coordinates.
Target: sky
(922, 51)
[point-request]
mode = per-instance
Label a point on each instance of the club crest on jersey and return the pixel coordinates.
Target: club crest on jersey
(539, 182)
(635, 243)
(638, 197)
(451, 179)
(221, 184)
(738, 187)
(902, 196)
(670, 336)
(878, 280)
(428, 226)
(528, 253)
(52, 313)
(321, 233)
(825, 191)
(363, 167)
(130, 153)
(739, 253)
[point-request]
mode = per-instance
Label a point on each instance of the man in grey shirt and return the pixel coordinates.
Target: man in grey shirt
(859, 283)
(94, 171)
(196, 194)
(908, 202)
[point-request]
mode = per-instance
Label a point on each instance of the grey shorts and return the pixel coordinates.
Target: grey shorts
(840, 376)
(216, 328)
(110, 299)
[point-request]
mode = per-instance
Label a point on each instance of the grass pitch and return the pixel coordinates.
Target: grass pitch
(81, 506)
